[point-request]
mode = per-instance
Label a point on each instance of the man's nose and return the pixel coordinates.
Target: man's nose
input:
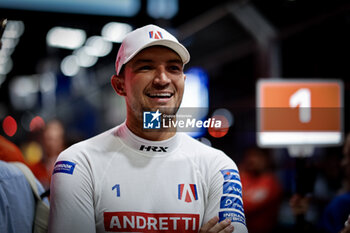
(161, 77)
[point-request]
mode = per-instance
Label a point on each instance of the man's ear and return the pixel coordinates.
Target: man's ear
(118, 85)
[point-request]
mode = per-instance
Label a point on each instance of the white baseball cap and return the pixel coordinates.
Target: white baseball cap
(144, 37)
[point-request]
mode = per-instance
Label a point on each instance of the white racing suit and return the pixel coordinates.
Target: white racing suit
(118, 182)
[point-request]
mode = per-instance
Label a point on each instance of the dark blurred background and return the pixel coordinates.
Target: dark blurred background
(234, 42)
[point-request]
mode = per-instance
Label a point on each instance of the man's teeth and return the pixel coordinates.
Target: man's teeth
(160, 95)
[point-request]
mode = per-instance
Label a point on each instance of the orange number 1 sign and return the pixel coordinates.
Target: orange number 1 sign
(299, 112)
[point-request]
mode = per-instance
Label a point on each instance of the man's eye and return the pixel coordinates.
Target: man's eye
(175, 68)
(145, 68)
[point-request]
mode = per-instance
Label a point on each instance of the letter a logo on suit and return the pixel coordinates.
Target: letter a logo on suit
(187, 192)
(155, 35)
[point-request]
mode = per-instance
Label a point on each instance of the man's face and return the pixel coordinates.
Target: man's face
(153, 79)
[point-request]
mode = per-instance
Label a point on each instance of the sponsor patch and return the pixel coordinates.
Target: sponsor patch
(153, 148)
(64, 167)
(155, 35)
(150, 222)
(230, 174)
(234, 216)
(231, 203)
(232, 188)
(187, 192)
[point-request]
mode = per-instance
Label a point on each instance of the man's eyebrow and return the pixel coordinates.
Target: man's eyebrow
(138, 61)
(175, 61)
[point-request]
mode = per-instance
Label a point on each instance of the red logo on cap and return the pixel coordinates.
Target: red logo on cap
(155, 35)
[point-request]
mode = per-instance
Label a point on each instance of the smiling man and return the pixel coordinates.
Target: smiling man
(129, 179)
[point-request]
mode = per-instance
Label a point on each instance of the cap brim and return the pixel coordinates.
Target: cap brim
(175, 46)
